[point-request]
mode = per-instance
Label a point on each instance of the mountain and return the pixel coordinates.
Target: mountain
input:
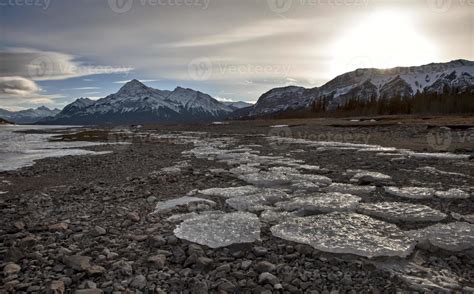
(5, 122)
(28, 116)
(237, 105)
(365, 84)
(137, 103)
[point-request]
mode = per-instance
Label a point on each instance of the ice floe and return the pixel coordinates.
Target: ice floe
(468, 218)
(171, 204)
(220, 230)
(452, 194)
(448, 156)
(370, 176)
(271, 179)
(349, 233)
(273, 216)
(257, 202)
(349, 189)
(321, 203)
(457, 236)
(231, 191)
(397, 211)
(411, 192)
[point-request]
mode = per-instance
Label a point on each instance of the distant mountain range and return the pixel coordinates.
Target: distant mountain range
(28, 116)
(137, 103)
(363, 84)
(5, 122)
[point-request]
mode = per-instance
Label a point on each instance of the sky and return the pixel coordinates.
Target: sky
(55, 51)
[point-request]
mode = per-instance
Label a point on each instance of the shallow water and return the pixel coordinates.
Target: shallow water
(18, 150)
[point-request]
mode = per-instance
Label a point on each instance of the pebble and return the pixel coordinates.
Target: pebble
(11, 268)
(268, 278)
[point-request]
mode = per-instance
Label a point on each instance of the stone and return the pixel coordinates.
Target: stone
(204, 263)
(11, 268)
(139, 282)
(265, 266)
(56, 287)
(89, 291)
(134, 216)
(260, 251)
(77, 262)
(58, 227)
(99, 231)
(158, 261)
(268, 278)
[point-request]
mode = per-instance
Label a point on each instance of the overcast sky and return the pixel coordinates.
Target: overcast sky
(54, 51)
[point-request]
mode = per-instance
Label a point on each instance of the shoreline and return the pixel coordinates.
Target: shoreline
(53, 210)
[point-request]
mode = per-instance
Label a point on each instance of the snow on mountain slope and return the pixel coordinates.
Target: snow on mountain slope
(137, 103)
(28, 116)
(368, 83)
(238, 105)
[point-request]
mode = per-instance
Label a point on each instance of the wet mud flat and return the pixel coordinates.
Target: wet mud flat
(247, 207)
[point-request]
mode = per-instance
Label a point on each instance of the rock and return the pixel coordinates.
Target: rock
(224, 268)
(226, 286)
(123, 267)
(268, 278)
(245, 265)
(260, 251)
(265, 266)
(19, 225)
(157, 241)
(139, 282)
(158, 260)
(59, 227)
(95, 270)
(204, 263)
(99, 231)
(195, 249)
(151, 199)
(56, 287)
(11, 268)
(134, 216)
(77, 262)
(89, 291)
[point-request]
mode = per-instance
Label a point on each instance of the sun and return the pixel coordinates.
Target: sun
(383, 39)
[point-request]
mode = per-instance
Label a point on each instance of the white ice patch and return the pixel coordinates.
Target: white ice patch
(456, 236)
(220, 230)
(410, 192)
(3, 192)
(452, 194)
(231, 191)
(244, 169)
(349, 189)
(327, 202)
(177, 218)
(347, 233)
(468, 218)
(279, 126)
(397, 211)
(448, 156)
(274, 217)
(182, 201)
(372, 176)
(257, 202)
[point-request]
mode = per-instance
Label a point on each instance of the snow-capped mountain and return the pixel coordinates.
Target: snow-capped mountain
(137, 103)
(28, 116)
(361, 84)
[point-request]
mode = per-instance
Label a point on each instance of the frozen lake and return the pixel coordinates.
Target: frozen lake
(18, 149)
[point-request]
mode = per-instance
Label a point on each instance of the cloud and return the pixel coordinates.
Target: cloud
(248, 32)
(47, 65)
(17, 86)
(87, 88)
(143, 81)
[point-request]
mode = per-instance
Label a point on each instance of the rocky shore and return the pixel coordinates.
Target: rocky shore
(92, 224)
